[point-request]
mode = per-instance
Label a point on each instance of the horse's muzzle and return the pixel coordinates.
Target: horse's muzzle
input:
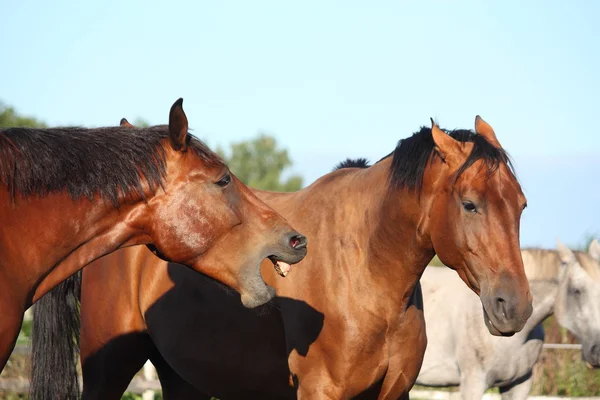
(591, 355)
(506, 311)
(292, 248)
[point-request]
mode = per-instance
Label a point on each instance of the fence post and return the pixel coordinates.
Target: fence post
(149, 375)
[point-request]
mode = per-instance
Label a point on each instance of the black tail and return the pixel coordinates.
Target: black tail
(55, 343)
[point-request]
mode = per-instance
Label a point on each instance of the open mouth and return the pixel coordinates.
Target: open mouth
(282, 268)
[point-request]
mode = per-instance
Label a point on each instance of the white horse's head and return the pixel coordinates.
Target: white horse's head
(577, 306)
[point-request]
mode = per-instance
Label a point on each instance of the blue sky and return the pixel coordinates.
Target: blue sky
(332, 80)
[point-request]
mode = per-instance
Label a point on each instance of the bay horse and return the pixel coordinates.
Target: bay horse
(351, 324)
(71, 195)
(460, 352)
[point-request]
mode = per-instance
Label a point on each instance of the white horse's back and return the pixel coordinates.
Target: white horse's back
(460, 350)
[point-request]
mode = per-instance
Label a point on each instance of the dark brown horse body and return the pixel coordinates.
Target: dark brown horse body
(347, 322)
(71, 195)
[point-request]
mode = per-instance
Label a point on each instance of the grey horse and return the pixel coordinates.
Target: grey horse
(460, 350)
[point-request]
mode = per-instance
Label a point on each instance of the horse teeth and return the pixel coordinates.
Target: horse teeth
(279, 271)
(282, 268)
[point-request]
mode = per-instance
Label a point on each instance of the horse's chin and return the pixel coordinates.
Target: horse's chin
(492, 328)
(258, 295)
(253, 300)
(591, 361)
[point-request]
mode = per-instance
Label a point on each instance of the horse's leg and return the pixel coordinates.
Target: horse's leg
(472, 385)
(108, 371)
(519, 389)
(173, 386)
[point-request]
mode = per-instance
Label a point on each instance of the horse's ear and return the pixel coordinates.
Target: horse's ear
(446, 146)
(566, 255)
(178, 126)
(485, 130)
(125, 123)
(594, 250)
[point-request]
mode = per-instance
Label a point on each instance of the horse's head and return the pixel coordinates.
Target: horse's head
(221, 229)
(577, 306)
(474, 215)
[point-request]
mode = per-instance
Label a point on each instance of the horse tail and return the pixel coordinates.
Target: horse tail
(55, 343)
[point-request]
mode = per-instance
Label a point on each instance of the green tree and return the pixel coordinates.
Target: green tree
(259, 163)
(141, 123)
(587, 239)
(9, 118)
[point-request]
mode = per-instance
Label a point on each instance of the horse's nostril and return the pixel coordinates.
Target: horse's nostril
(500, 306)
(298, 241)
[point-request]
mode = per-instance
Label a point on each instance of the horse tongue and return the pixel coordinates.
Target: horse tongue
(282, 268)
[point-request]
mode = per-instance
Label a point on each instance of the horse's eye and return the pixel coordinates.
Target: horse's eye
(224, 181)
(576, 292)
(469, 206)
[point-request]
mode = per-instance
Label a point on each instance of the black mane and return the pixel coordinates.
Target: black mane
(85, 162)
(352, 163)
(412, 154)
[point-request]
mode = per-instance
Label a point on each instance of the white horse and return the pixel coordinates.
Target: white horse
(460, 350)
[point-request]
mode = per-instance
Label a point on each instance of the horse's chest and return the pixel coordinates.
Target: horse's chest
(398, 354)
(406, 352)
(351, 351)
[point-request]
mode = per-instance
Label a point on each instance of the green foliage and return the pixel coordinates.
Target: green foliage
(260, 162)
(25, 332)
(141, 123)
(436, 262)
(585, 242)
(9, 118)
(14, 396)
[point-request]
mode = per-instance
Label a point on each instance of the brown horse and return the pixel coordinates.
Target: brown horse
(71, 195)
(350, 324)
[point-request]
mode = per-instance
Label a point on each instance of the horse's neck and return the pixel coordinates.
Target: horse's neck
(59, 236)
(544, 294)
(351, 210)
(397, 252)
